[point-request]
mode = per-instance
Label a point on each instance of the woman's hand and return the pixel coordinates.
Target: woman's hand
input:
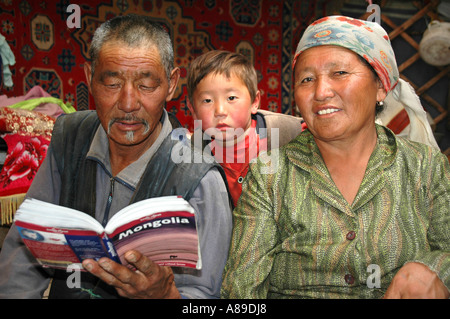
(416, 281)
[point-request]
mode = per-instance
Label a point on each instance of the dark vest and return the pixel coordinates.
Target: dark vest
(72, 137)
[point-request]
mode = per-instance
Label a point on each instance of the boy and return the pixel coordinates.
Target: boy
(223, 95)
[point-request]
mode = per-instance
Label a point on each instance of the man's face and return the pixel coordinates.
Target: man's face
(130, 89)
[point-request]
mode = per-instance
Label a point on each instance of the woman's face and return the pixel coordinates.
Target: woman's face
(335, 92)
(224, 106)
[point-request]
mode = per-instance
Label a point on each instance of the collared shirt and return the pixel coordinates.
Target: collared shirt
(296, 236)
(21, 277)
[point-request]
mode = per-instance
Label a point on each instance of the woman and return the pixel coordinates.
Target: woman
(352, 210)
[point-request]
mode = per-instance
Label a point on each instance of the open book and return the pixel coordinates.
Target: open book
(162, 228)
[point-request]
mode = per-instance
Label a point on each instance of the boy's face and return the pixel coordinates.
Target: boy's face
(224, 106)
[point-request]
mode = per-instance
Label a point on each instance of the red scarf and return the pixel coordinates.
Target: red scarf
(235, 159)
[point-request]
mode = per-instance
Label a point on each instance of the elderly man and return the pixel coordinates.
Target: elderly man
(101, 161)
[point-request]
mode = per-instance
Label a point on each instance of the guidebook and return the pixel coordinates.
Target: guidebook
(162, 228)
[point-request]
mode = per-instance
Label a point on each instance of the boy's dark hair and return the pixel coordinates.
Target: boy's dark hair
(224, 63)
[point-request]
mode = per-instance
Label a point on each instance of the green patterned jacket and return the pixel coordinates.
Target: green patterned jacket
(295, 236)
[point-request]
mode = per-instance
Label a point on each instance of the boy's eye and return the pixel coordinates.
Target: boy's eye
(232, 98)
(207, 101)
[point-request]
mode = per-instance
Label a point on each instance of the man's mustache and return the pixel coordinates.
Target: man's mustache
(128, 118)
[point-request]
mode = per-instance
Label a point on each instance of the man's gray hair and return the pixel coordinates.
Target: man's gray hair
(134, 31)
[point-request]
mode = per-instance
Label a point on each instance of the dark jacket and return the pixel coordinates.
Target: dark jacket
(72, 137)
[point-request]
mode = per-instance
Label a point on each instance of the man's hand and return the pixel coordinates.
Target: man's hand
(416, 281)
(149, 280)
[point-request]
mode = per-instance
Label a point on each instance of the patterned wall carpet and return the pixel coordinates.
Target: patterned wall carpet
(50, 54)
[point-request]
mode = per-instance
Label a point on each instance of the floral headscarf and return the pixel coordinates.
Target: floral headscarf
(371, 42)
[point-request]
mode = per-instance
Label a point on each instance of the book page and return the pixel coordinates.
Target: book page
(42, 213)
